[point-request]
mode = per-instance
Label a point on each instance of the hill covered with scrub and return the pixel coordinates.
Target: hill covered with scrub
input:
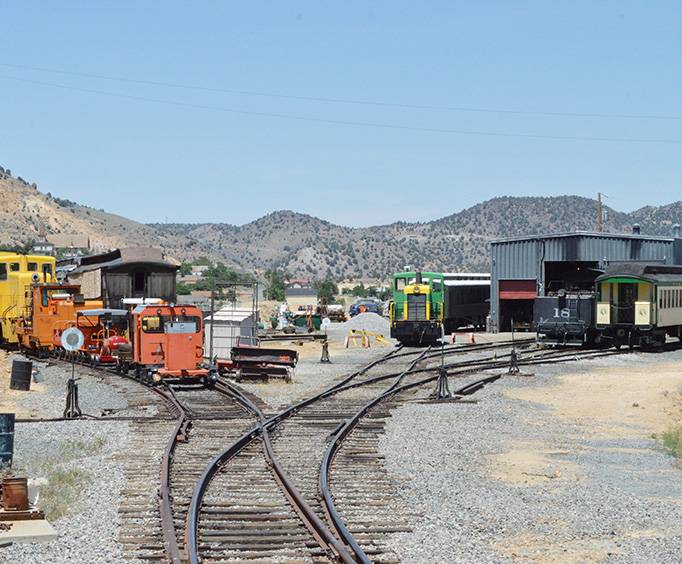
(307, 246)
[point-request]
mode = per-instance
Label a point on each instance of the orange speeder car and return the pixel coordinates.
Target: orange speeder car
(168, 343)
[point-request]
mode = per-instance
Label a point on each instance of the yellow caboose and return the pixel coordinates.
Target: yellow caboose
(17, 273)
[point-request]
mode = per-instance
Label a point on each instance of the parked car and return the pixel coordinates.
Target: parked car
(362, 306)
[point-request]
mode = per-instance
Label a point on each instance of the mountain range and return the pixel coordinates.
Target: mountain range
(307, 246)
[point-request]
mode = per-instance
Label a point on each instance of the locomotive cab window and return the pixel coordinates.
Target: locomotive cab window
(3, 271)
(183, 324)
(437, 286)
(47, 270)
(400, 284)
(14, 267)
(32, 267)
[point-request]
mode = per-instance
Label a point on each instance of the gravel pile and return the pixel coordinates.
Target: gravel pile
(367, 321)
(623, 507)
(89, 531)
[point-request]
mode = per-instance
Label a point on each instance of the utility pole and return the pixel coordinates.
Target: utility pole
(600, 214)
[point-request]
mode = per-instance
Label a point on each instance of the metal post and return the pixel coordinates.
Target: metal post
(210, 331)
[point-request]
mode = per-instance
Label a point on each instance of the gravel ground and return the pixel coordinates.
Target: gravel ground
(89, 531)
(76, 458)
(612, 500)
(48, 398)
(311, 376)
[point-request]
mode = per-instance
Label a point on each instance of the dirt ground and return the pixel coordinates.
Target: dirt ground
(606, 404)
(10, 400)
(615, 402)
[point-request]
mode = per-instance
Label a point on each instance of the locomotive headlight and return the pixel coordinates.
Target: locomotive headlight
(416, 289)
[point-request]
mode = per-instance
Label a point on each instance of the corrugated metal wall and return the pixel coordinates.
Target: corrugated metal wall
(523, 259)
(228, 334)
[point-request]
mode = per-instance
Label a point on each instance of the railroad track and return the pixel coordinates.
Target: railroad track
(237, 485)
(235, 513)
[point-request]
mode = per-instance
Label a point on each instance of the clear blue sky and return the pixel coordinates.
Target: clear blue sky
(193, 160)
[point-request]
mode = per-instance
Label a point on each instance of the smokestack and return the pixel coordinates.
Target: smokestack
(636, 229)
(418, 277)
(676, 231)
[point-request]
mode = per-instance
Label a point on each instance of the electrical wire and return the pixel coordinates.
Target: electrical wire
(345, 122)
(335, 100)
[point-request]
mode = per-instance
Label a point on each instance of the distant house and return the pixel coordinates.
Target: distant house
(133, 272)
(43, 248)
(74, 242)
(300, 297)
(298, 283)
(231, 326)
(199, 269)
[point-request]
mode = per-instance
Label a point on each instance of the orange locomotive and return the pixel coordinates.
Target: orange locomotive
(158, 341)
(50, 309)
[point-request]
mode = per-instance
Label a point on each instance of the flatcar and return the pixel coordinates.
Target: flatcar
(427, 305)
(639, 304)
(17, 273)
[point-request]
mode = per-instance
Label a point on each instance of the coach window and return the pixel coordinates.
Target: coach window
(3, 271)
(139, 281)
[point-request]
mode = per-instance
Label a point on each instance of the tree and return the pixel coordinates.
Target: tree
(183, 289)
(326, 290)
(276, 281)
(185, 269)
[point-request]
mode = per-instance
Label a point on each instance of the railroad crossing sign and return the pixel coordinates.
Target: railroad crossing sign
(72, 339)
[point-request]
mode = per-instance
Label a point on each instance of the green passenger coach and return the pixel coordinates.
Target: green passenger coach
(639, 304)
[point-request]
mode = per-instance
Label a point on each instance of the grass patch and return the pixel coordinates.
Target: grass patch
(62, 491)
(71, 449)
(64, 484)
(672, 441)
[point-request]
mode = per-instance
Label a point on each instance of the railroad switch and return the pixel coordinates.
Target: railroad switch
(72, 409)
(514, 369)
(325, 353)
(442, 391)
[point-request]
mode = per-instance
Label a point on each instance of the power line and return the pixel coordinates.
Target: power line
(345, 100)
(344, 122)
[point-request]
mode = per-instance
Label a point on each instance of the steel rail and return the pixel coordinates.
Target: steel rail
(342, 432)
(310, 519)
(170, 540)
(192, 525)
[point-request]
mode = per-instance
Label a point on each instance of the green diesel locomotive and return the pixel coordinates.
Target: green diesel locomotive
(428, 305)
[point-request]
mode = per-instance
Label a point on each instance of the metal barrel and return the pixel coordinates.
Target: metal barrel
(21, 375)
(6, 438)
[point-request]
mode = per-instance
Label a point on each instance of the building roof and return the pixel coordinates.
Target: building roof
(126, 256)
(597, 234)
(300, 292)
(230, 314)
(69, 240)
(643, 271)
